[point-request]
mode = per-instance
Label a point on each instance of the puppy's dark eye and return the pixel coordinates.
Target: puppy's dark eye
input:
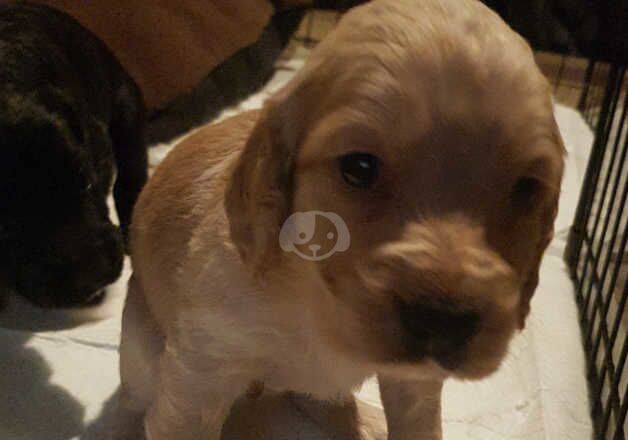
(526, 191)
(359, 169)
(86, 188)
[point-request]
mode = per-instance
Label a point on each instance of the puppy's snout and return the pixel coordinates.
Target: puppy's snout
(454, 298)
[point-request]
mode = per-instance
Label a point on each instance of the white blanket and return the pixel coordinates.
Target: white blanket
(58, 384)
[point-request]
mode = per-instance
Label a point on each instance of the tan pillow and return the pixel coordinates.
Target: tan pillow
(168, 46)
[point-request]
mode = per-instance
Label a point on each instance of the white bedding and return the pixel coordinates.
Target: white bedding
(56, 383)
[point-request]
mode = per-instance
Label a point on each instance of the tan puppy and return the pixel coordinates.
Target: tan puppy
(426, 127)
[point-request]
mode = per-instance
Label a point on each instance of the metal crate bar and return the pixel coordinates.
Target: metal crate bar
(597, 253)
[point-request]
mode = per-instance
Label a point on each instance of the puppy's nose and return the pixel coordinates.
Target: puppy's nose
(437, 332)
(103, 259)
(314, 248)
(108, 241)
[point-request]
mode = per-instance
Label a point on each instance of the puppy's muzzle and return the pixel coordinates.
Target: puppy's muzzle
(455, 300)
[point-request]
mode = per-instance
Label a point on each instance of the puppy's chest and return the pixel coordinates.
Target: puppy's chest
(272, 343)
(310, 368)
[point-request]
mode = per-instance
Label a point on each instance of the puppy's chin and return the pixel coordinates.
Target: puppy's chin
(476, 357)
(428, 368)
(18, 313)
(95, 299)
(481, 357)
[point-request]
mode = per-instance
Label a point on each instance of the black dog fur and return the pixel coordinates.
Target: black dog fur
(70, 117)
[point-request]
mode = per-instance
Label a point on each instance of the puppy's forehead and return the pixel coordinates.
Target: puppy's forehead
(404, 71)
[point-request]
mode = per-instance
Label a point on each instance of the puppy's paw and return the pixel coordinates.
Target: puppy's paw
(129, 426)
(372, 422)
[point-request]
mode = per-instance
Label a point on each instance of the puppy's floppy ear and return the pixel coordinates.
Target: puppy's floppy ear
(259, 194)
(547, 231)
(532, 278)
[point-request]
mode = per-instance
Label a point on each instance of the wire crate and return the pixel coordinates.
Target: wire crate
(596, 252)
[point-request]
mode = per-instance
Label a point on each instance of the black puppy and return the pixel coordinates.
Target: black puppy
(70, 118)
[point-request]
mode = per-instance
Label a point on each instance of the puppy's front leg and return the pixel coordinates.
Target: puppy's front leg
(342, 419)
(189, 403)
(412, 408)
